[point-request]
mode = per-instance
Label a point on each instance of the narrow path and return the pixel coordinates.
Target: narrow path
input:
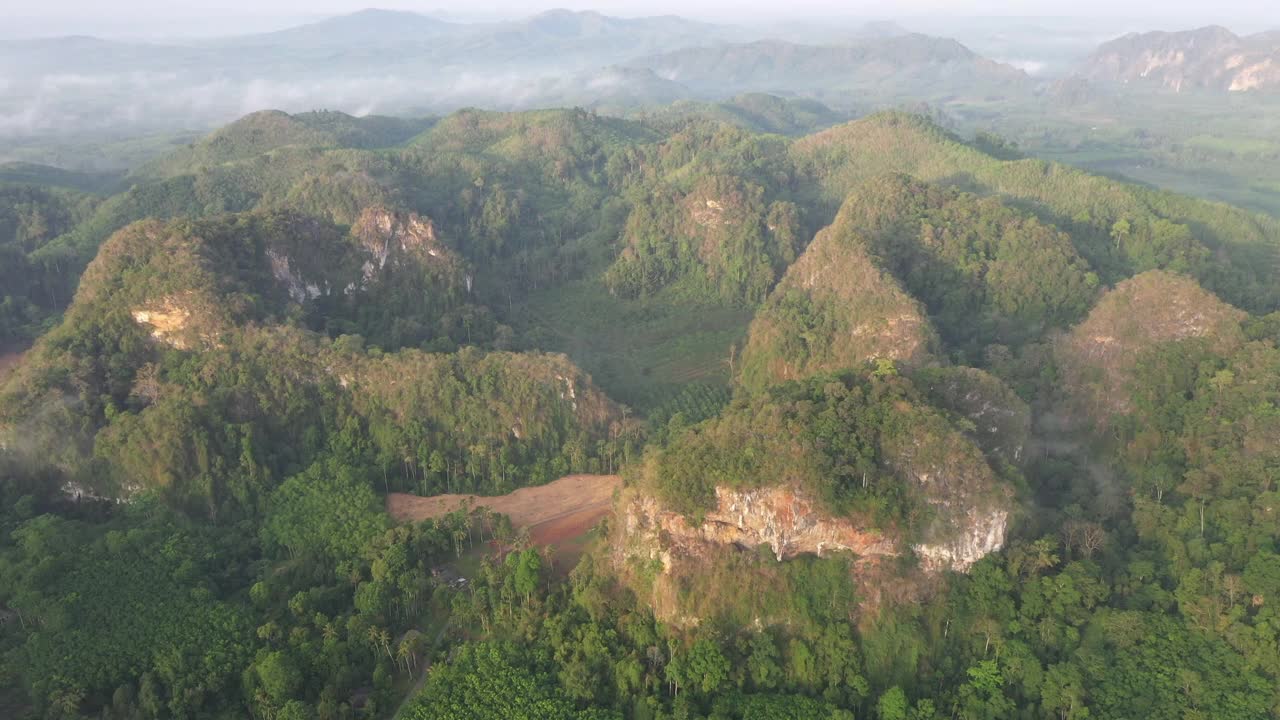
(426, 667)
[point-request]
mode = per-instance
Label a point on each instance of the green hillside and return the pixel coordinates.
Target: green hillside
(895, 426)
(1121, 229)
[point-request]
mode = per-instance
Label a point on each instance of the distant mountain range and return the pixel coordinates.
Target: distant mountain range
(409, 64)
(899, 64)
(1210, 58)
(383, 61)
(552, 37)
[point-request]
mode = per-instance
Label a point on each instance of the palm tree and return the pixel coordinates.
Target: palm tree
(384, 638)
(459, 535)
(378, 638)
(402, 655)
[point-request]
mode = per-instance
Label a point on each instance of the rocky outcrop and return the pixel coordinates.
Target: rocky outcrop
(176, 321)
(791, 524)
(1001, 421)
(740, 237)
(283, 271)
(393, 237)
(981, 533)
(782, 518)
(968, 502)
(1210, 58)
(661, 551)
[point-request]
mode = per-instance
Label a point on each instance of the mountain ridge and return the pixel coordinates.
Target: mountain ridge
(1210, 58)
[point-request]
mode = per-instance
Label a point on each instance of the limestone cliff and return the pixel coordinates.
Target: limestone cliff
(790, 524)
(980, 533)
(170, 319)
(782, 518)
(1001, 420)
(859, 465)
(384, 245)
(393, 238)
(1210, 58)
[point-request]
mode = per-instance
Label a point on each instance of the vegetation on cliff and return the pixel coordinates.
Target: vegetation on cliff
(995, 365)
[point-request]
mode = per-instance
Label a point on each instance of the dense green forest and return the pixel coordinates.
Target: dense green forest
(908, 427)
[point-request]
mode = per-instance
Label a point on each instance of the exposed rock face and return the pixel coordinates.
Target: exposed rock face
(282, 270)
(791, 525)
(174, 321)
(779, 517)
(647, 535)
(981, 534)
(741, 238)
(166, 321)
(384, 246)
(392, 237)
(1211, 58)
(970, 505)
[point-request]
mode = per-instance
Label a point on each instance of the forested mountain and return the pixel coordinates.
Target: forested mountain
(909, 65)
(33, 286)
(907, 426)
(370, 61)
(1209, 58)
(764, 113)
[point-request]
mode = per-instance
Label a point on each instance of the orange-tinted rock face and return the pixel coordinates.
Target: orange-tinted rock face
(653, 539)
(786, 521)
(389, 236)
(181, 321)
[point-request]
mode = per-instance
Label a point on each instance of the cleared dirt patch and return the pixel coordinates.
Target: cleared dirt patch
(554, 512)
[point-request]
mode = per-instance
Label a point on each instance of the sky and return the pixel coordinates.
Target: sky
(210, 17)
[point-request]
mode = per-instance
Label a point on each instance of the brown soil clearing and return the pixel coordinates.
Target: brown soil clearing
(554, 512)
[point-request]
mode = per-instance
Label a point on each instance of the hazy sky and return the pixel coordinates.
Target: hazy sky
(126, 17)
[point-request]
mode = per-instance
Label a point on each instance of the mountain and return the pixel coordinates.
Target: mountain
(365, 27)
(835, 309)
(1119, 228)
(1101, 356)
(887, 66)
(1210, 58)
(913, 430)
(373, 61)
(614, 89)
(766, 474)
(245, 287)
(761, 112)
(262, 132)
(588, 24)
(23, 173)
(396, 37)
(31, 217)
